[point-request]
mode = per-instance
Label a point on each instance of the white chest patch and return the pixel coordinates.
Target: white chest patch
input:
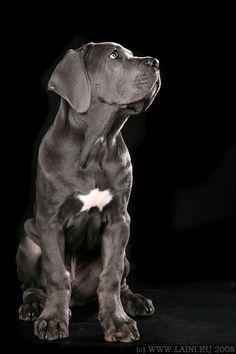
(95, 198)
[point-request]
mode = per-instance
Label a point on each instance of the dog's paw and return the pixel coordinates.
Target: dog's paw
(120, 329)
(30, 311)
(137, 305)
(51, 329)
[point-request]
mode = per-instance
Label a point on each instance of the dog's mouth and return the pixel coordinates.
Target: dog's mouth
(142, 104)
(154, 90)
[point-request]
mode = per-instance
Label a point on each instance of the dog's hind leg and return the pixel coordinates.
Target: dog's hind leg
(134, 304)
(28, 261)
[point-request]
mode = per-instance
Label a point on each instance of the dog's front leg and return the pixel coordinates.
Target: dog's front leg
(116, 324)
(54, 320)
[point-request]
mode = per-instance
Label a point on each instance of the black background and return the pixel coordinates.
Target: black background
(183, 148)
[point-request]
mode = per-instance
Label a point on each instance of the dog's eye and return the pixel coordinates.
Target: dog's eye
(114, 55)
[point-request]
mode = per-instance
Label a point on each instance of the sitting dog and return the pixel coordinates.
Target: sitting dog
(74, 247)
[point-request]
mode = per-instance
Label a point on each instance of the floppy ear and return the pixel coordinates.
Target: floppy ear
(70, 80)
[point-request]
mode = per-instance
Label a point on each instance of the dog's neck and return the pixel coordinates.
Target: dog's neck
(102, 122)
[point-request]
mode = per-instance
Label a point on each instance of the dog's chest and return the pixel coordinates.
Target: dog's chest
(84, 217)
(105, 168)
(95, 199)
(100, 184)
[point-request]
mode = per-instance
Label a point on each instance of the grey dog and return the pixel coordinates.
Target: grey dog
(74, 247)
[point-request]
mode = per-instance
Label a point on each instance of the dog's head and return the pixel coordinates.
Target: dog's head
(109, 73)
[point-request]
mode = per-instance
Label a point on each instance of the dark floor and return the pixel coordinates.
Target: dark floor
(188, 313)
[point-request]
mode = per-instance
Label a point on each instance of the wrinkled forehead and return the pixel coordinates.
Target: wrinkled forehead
(107, 47)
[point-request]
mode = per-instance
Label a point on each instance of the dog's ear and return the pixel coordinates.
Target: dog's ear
(70, 79)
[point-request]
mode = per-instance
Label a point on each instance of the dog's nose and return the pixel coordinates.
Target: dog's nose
(154, 63)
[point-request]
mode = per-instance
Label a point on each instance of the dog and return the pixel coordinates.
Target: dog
(74, 247)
